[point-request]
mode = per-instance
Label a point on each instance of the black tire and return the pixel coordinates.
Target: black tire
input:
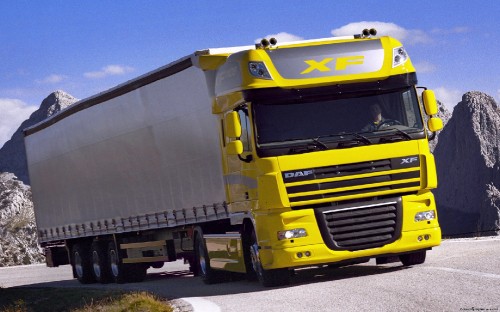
(207, 274)
(413, 258)
(268, 278)
(251, 275)
(82, 264)
(121, 272)
(99, 258)
(193, 265)
(116, 267)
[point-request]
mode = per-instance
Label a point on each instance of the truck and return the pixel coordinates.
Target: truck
(257, 160)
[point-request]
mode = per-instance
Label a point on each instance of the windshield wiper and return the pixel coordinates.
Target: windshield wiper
(356, 141)
(318, 143)
(342, 137)
(311, 145)
(397, 136)
(361, 138)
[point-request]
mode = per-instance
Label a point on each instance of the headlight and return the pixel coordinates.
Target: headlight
(425, 216)
(289, 234)
(259, 70)
(399, 56)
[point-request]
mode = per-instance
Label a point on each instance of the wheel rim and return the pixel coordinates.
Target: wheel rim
(114, 262)
(254, 256)
(96, 264)
(202, 261)
(78, 264)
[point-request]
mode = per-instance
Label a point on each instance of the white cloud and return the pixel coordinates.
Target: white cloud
(449, 97)
(425, 67)
(450, 31)
(13, 113)
(410, 36)
(282, 37)
(51, 79)
(110, 70)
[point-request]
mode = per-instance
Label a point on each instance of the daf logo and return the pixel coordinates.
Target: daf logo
(297, 174)
(409, 160)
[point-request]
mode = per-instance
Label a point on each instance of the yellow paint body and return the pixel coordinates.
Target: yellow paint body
(257, 187)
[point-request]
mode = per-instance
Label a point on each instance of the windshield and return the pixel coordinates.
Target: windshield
(338, 122)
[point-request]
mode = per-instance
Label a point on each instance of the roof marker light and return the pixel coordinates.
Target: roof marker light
(399, 56)
(259, 70)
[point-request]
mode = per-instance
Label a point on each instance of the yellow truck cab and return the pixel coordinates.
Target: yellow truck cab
(311, 174)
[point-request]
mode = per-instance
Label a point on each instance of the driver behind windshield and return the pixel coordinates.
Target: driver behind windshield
(376, 118)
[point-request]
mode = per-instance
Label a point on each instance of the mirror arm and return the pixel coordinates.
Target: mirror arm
(432, 136)
(247, 159)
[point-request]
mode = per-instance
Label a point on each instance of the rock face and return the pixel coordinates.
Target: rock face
(18, 235)
(468, 164)
(12, 154)
(445, 116)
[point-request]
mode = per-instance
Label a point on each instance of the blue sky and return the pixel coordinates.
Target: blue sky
(84, 47)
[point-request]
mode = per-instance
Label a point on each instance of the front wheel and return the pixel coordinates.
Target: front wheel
(268, 278)
(413, 258)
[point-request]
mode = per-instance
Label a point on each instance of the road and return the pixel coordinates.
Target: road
(460, 275)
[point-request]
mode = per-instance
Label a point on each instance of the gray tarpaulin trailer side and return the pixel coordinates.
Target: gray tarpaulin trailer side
(141, 157)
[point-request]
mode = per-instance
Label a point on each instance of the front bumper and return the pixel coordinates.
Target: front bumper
(321, 254)
(312, 249)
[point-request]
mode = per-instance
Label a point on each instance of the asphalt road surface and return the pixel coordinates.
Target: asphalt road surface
(460, 275)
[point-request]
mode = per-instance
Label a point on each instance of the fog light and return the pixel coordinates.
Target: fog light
(427, 236)
(289, 234)
(425, 216)
(307, 253)
(299, 255)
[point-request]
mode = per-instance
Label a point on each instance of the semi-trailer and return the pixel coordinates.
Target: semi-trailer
(258, 160)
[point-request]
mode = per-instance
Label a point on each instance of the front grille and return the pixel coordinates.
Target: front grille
(371, 225)
(342, 182)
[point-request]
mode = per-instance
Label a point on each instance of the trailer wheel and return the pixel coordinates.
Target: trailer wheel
(116, 268)
(82, 264)
(413, 258)
(268, 278)
(122, 272)
(207, 274)
(101, 269)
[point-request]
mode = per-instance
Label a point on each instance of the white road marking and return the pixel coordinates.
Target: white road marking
(475, 273)
(469, 240)
(202, 305)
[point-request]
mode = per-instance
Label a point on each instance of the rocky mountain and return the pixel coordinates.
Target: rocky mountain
(445, 116)
(468, 164)
(18, 235)
(12, 154)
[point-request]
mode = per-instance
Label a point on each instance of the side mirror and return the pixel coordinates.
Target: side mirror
(435, 124)
(430, 103)
(234, 147)
(233, 125)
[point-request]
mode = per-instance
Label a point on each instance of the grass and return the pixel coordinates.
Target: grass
(24, 299)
